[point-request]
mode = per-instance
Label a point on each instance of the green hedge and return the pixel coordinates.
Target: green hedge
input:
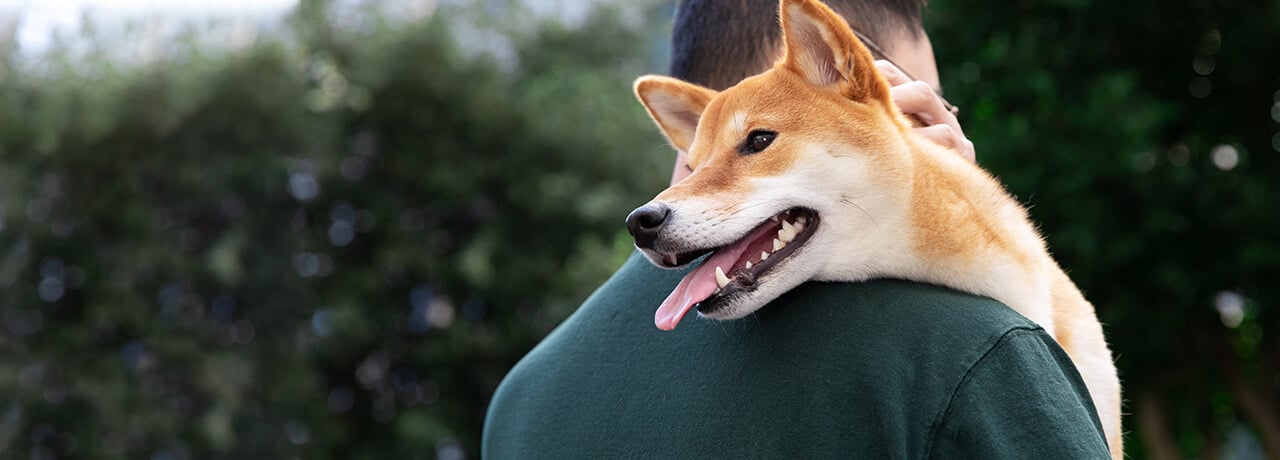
(335, 248)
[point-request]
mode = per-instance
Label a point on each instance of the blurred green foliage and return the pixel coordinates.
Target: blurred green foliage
(335, 242)
(332, 245)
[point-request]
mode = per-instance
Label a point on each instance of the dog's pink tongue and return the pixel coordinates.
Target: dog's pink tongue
(696, 286)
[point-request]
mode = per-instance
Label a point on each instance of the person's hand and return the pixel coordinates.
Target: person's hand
(917, 98)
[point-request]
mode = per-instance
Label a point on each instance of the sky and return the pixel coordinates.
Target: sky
(37, 20)
(37, 25)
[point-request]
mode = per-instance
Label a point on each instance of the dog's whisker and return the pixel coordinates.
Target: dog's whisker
(846, 200)
(723, 327)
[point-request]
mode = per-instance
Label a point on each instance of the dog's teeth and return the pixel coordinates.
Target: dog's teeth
(748, 265)
(801, 220)
(764, 255)
(721, 279)
(799, 227)
(670, 259)
(788, 232)
(774, 218)
(777, 244)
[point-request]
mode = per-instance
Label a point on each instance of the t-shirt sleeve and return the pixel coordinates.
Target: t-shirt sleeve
(1023, 399)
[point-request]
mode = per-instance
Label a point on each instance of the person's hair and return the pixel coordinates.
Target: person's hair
(717, 43)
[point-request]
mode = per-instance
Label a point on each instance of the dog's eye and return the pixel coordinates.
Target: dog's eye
(757, 141)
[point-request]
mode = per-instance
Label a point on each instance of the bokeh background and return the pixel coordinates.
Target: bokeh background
(326, 229)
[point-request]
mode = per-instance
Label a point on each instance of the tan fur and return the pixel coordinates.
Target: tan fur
(893, 204)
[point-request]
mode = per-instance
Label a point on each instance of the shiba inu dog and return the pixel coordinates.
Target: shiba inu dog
(809, 172)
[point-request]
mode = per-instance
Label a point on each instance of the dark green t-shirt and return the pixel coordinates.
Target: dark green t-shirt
(881, 369)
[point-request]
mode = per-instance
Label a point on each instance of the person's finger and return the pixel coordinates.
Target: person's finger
(947, 136)
(917, 97)
(941, 134)
(892, 73)
(966, 149)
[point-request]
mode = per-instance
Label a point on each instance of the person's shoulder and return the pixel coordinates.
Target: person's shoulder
(897, 310)
(878, 353)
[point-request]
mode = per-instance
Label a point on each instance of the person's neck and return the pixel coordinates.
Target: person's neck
(914, 54)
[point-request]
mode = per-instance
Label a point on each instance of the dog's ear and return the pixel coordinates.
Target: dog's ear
(821, 48)
(675, 105)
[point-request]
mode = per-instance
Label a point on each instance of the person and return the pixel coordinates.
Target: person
(879, 369)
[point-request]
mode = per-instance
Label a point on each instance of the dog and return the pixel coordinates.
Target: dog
(809, 172)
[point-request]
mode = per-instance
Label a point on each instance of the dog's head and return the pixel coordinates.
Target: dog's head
(789, 167)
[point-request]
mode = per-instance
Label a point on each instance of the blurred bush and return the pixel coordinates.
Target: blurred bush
(332, 243)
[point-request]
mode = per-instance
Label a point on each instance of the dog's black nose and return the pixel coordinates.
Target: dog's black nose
(646, 222)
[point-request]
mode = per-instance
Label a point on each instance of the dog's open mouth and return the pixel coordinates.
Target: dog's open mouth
(733, 270)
